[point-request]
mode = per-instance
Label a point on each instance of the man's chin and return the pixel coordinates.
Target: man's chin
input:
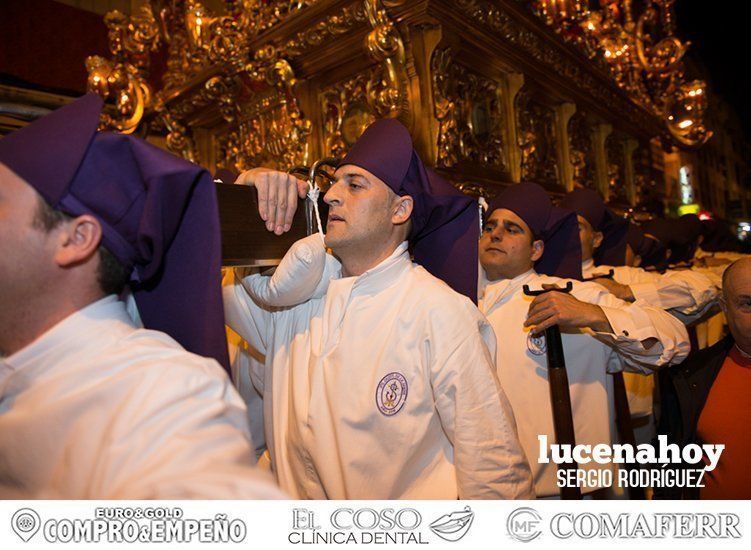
(333, 241)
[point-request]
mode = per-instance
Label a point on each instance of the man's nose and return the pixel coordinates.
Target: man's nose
(332, 195)
(496, 234)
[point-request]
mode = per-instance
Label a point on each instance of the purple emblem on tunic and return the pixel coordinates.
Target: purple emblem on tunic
(391, 393)
(536, 344)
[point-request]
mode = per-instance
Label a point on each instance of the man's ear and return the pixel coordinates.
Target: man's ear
(402, 210)
(538, 247)
(78, 240)
(597, 237)
(723, 304)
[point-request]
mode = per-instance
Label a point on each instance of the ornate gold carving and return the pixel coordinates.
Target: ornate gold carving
(271, 130)
(348, 107)
(537, 140)
(258, 16)
(494, 17)
(123, 79)
(639, 46)
(581, 150)
(476, 190)
(179, 138)
(469, 111)
(325, 29)
(385, 45)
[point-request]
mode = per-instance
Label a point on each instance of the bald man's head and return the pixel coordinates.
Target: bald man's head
(736, 301)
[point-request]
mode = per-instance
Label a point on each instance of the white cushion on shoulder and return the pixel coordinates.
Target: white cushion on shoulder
(298, 278)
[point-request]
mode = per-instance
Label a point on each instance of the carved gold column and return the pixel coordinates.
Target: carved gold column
(513, 84)
(601, 133)
(424, 39)
(564, 112)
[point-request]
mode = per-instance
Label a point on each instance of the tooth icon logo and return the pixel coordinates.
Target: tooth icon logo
(25, 523)
(454, 526)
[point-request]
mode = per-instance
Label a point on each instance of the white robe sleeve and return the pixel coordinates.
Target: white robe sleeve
(645, 337)
(250, 300)
(686, 291)
(474, 411)
(183, 433)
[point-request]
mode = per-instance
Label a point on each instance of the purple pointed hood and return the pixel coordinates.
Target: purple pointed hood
(557, 227)
(588, 204)
(158, 213)
(445, 222)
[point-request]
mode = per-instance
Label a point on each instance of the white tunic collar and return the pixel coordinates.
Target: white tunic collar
(498, 291)
(379, 277)
(75, 332)
(341, 292)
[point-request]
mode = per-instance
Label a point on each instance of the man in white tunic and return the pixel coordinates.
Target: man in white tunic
(528, 241)
(603, 242)
(91, 406)
(685, 293)
(379, 384)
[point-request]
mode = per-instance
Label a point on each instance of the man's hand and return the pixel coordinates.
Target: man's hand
(616, 289)
(277, 196)
(559, 308)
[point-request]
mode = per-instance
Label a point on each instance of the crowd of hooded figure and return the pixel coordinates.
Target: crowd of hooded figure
(402, 355)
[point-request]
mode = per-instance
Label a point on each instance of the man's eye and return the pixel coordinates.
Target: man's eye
(354, 185)
(488, 228)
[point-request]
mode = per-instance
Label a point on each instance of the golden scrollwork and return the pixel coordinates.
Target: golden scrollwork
(325, 29)
(476, 190)
(179, 138)
(123, 79)
(637, 43)
(581, 150)
(384, 44)
(257, 16)
(348, 107)
(469, 112)
(536, 139)
(271, 129)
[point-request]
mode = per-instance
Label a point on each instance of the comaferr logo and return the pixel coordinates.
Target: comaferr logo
(524, 524)
(589, 525)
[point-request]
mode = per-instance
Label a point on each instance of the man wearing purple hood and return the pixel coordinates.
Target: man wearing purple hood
(528, 241)
(91, 406)
(379, 379)
(604, 237)
(685, 293)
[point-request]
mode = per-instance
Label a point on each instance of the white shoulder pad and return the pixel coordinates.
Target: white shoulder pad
(296, 279)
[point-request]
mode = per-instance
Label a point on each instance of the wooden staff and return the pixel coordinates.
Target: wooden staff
(560, 394)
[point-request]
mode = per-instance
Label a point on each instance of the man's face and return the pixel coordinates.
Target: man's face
(360, 211)
(737, 303)
(507, 246)
(26, 250)
(589, 238)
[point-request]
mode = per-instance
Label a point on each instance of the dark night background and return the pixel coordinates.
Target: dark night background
(719, 34)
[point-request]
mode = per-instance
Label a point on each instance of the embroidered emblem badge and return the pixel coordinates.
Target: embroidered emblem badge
(536, 344)
(391, 393)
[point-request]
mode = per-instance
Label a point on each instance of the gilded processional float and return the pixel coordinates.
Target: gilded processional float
(565, 93)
